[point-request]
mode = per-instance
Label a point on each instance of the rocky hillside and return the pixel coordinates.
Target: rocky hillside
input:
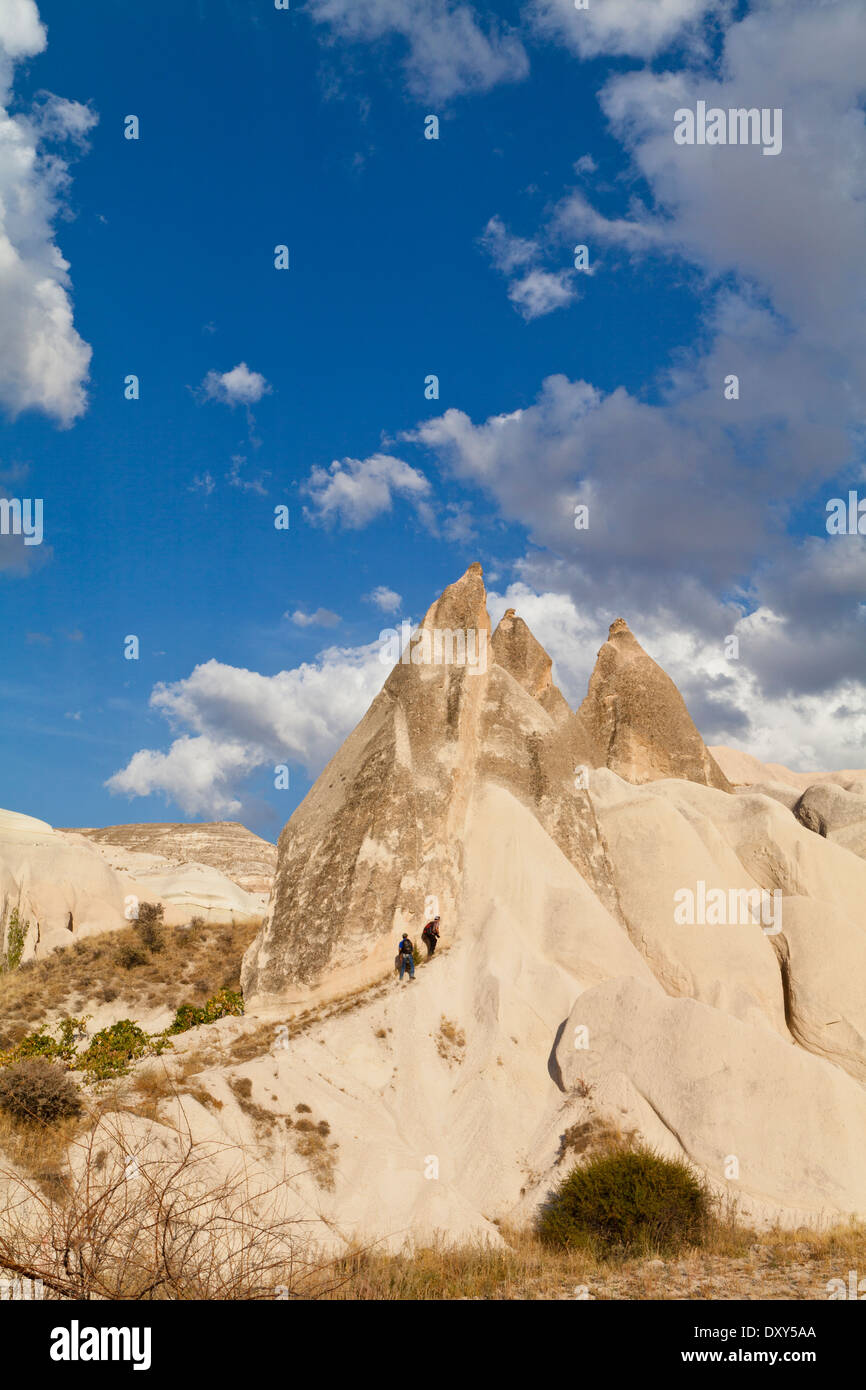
(631, 945)
(57, 887)
(227, 846)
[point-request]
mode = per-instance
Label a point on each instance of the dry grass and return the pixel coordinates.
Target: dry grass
(741, 1264)
(194, 963)
(591, 1137)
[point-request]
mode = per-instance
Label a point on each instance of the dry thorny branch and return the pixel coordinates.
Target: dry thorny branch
(165, 1224)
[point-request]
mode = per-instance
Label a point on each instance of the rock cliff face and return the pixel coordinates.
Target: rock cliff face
(381, 831)
(224, 845)
(68, 884)
(377, 843)
(558, 848)
(639, 718)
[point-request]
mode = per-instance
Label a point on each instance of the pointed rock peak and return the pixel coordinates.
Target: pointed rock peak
(463, 605)
(521, 655)
(635, 713)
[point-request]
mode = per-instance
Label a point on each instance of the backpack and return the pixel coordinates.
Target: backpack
(406, 948)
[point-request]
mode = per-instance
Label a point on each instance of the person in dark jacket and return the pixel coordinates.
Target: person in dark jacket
(430, 935)
(406, 952)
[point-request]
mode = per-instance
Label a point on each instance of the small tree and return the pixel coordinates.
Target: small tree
(16, 935)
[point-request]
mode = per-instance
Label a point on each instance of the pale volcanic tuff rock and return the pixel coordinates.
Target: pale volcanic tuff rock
(557, 910)
(243, 857)
(62, 889)
(68, 885)
(381, 829)
(639, 718)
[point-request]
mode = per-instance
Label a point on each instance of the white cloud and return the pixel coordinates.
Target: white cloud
(448, 52)
(387, 599)
(541, 291)
(637, 28)
(22, 35)
(323, 617)
(232, 722)
(728, 699)
(355, 491)
(44, 363)
(535, 291)
(240, 386)
(691, 497)
(506, 251)
(235, 478)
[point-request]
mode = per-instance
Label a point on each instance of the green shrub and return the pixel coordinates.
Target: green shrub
(16, 935)
(36, 1091)
(224, 1003)
(42, 1044)
(629, 1199)
(112, 1049)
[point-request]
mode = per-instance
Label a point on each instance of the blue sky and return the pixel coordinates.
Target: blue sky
(408, 257)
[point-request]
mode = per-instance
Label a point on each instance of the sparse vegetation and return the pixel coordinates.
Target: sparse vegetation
(174, 1230)
(631, 1199)
(242, 1089)
(595, 1136)
(450, 1041)
(130, 955)
(91, 972)
(310, 1139)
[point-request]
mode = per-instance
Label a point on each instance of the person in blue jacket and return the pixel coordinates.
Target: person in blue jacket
(407, 956)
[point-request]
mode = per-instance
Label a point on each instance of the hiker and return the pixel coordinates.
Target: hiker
(430, 935)
(407, 956)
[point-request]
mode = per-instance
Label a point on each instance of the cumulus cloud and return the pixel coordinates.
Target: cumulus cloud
(695, 500)
(240, 386)
(354, 492)
(729, 699)
(44, 363)
(541, 291)
(387, 599)
(231, 722)
(448, 51)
